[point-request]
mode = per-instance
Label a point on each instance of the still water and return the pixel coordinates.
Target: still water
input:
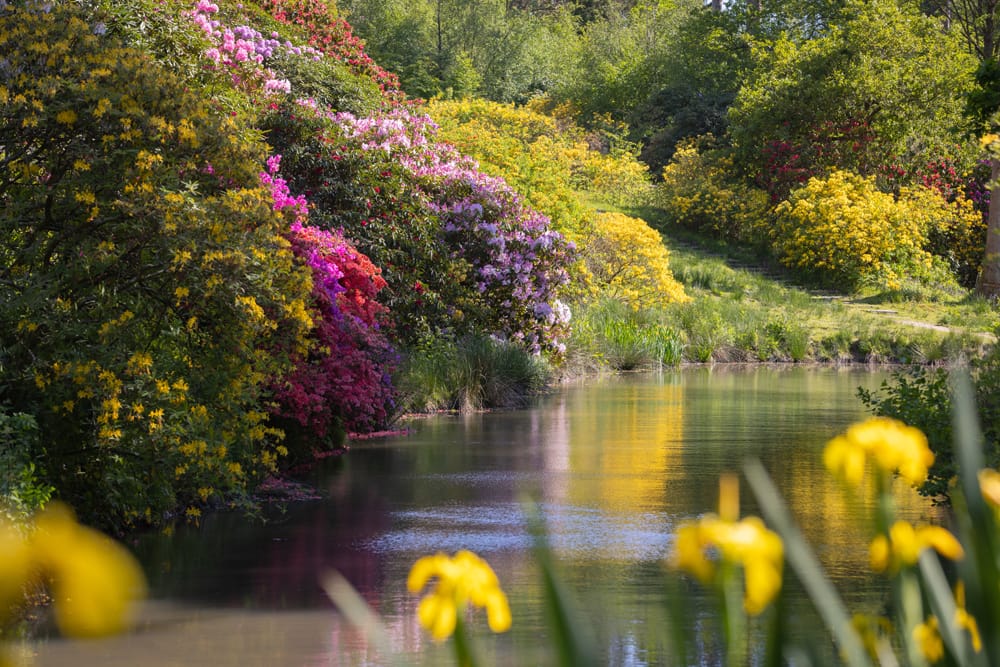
(613, 464)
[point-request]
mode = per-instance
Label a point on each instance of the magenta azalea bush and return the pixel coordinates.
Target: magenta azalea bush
(343, 382)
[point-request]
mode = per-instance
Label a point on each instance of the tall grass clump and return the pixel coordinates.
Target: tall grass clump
(612, 335)
(472, 373)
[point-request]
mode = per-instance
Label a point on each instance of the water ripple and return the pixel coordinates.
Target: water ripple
(573, 530)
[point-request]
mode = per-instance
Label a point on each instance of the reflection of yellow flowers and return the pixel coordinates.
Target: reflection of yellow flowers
(461, 580)
(94, 581)
(892, 445)
(902, 546)
(747, 543)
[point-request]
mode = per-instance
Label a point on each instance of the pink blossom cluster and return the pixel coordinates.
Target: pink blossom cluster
(279, 190)
(243, 49)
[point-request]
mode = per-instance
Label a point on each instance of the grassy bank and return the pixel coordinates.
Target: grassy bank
(744, 310)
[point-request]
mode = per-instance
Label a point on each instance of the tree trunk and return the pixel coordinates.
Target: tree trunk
(988, 284)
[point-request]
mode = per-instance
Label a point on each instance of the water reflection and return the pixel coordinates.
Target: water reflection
(613, 465)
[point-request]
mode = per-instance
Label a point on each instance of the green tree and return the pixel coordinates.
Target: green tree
(497, 49)
(883, 86)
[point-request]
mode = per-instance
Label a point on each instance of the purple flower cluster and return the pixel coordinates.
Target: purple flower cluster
(518, 262)
(244, 47)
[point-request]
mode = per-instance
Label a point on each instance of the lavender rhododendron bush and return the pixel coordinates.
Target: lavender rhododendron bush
(460, 251)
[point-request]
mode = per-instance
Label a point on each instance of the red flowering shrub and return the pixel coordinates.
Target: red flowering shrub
(345, 380)
(342, 382)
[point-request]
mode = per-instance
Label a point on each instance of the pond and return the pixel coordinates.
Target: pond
(613, 464)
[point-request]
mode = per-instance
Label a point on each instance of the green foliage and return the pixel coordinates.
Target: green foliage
(697, 75)
(329, 83)
(453, 49)
(21, 490)
(882, 66)
(612, 335)
(922, 397)
(147, 294)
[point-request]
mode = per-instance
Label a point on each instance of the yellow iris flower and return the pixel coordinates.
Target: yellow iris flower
(989, 484)
(747, 543)
(902, 546)
(94, 581)
(890, 444)
(462, 580)
(928, 638)
(965, 620)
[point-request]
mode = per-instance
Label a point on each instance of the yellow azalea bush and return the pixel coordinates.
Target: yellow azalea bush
(627, 260)
(699, 192)
(843, 232)
(149, 293)
(458, 582)
(548, 160)
(954, 230)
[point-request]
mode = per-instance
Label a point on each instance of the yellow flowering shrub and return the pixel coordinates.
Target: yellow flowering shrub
(149, 294)
(954, 230)
(548, 161)
(628, 261)
(699, 192)
(843, 232)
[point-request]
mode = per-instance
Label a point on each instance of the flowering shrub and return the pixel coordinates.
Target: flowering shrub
(546, 160)
(148, 291)
(343, 381)
(460, 251)
(334, 37)
(786, 165)
(699, 192)
(243, 50)
(954, 229)
(628, 261)
(843, 232)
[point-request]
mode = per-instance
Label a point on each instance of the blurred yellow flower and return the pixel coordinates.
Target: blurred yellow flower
(989, 484)
(964, 619)
(928, 638)
(890, 444)
(902, 547)
(94, 580)
(747, 543)
(462, 580)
